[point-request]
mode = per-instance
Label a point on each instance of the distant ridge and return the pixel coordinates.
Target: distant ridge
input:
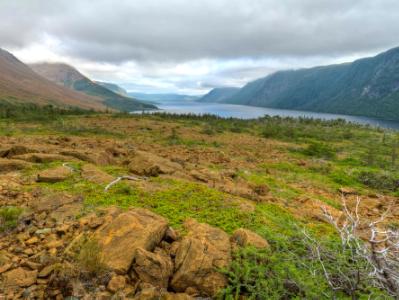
(219, 94)
(163, 97)
(366, 87)
(20, 85)
(70, 77)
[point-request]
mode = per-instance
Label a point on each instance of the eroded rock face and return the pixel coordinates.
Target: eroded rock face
(244, 237)
(121, 237)
(148, 164)
(54, 175)
(154, 268)
(201, 253)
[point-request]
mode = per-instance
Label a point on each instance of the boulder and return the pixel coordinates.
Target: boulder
(78, 155)
(150, 293)
(52, 202)
(205, 175)
(122, 236)
(200, 254)
(154, 268)
(19, 278)
(116, 283)
(41, 157)
(244, 237)
(9, 165)
(54, 175)
(95, 175)
(148, 164)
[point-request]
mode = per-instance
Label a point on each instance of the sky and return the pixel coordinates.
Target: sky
(192, 46)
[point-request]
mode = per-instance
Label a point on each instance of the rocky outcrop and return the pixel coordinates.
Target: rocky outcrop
(121, 237)
(244, 237)
(97, 158)
(54, 175)
(15, 150)
(148, 164)
(200, 254)
(95, 175)
(41, 157)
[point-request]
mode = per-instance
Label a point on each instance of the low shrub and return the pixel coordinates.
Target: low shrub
(379, 180)
(89, 258)
(9, 217)
(320, 150)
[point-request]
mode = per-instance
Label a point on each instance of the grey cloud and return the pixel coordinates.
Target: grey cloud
(177, 30)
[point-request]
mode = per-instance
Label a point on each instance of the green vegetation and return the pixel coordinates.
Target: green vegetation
(89, 259)
(32, 112)
(9, 217)
(352, 88)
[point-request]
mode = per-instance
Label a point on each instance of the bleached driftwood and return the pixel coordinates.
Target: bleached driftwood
(380, 251)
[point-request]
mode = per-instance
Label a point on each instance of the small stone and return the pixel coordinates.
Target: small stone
(5, 267)
(20, 277)
(54, 175)
(116, 283)
(46, 271)
(54, 244)
(244, 237)
(29, 251)
(23, 236)
(32, 241)
(43, 231)
(53, 251)
(63, 229)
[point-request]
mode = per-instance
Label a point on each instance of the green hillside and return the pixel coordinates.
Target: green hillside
(368, 87)
(68, 76)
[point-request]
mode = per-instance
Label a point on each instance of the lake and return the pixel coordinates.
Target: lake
(252, 112)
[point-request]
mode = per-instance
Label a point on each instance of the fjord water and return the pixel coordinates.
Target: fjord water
(252, 112)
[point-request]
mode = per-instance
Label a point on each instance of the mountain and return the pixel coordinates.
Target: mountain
(19, 84)
(367, 87)
(163, 97)
(113, 87)
(219, 94)
(65, 75)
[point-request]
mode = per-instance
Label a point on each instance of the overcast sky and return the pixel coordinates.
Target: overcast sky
(190, 46)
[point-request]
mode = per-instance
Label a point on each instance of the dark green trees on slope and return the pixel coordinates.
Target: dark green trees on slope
(368, 87)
